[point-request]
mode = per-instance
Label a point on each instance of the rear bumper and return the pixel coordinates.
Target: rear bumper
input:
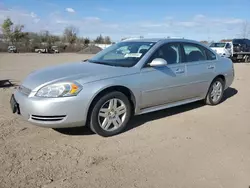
(229, 79)
(52, 112)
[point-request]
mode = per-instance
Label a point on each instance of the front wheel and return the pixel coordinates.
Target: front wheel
(110, 114)
(215, 92)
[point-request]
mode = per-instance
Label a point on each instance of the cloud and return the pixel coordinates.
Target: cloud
(20, 17)
(187, 24)
(61, 21)
(199, 17)
(33, 15)
(70, 10)
(234, 21)
(199, 27)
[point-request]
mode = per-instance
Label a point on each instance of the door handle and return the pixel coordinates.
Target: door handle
(179, 71)
(210, 66)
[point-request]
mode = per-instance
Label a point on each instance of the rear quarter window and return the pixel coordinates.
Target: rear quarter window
(210, 55)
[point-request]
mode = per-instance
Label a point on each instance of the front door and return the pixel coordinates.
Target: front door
(162, 85)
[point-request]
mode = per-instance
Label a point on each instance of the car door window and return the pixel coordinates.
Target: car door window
(171, 52)
(194, 53)
(210, 55)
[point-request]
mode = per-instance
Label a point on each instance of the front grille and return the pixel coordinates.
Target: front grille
(47, 118)
(24, 90)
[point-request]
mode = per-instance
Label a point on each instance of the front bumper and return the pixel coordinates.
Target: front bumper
(52, 112)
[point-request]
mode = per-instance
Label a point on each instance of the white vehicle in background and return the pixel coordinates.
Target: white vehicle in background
(52, 49)
(224, 49)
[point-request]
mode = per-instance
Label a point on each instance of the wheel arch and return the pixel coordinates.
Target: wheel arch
(221, 76)
(123, 89)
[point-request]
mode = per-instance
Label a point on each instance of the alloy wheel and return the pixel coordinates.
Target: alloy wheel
(216, 91)
(112, 114)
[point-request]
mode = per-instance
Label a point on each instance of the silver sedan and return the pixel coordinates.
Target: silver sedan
(128, 78)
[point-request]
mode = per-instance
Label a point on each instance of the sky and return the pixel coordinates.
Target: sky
(192, 19)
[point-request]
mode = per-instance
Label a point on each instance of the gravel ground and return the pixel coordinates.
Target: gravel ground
(191, 146)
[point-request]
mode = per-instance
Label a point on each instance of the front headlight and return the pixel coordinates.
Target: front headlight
(63, 89)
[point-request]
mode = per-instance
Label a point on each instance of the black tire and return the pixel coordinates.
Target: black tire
(208, 99)
(94, 122)
(247, 59)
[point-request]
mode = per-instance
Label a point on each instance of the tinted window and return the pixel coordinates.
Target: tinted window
(238, 41)
(170, 52)
(194, 52)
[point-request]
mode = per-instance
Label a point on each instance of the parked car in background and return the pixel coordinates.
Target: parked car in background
(53, 49)
(41, 50)
(104, 92)
(241, 50)
(224, 49)
(12, 49)
(237, 49)
(241, 45)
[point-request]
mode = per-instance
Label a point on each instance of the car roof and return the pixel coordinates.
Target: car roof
(160, 39)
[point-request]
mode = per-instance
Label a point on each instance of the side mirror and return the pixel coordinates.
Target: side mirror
(158, 62)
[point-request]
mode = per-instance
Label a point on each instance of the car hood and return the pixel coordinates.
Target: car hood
(219, 50)
(82, 72)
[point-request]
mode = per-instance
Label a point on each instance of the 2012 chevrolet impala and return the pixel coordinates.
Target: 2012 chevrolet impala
(128, 78)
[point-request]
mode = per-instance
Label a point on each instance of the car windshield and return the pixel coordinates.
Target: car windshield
(218, 45)
(123, 54)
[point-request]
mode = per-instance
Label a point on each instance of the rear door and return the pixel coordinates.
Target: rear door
(200, 65)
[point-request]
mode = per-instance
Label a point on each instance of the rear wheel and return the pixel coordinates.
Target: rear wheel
(247, 59)
(110, 114)
(215, 92)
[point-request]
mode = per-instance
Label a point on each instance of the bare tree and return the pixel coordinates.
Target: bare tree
(45, 36)
(107, 40)
(99, 40)
(27, 41)
(70, 34)
(17, 34)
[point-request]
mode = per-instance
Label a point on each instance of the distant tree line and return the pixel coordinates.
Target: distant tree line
(27, 41)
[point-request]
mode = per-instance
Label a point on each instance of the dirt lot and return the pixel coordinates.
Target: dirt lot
(192, 146)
